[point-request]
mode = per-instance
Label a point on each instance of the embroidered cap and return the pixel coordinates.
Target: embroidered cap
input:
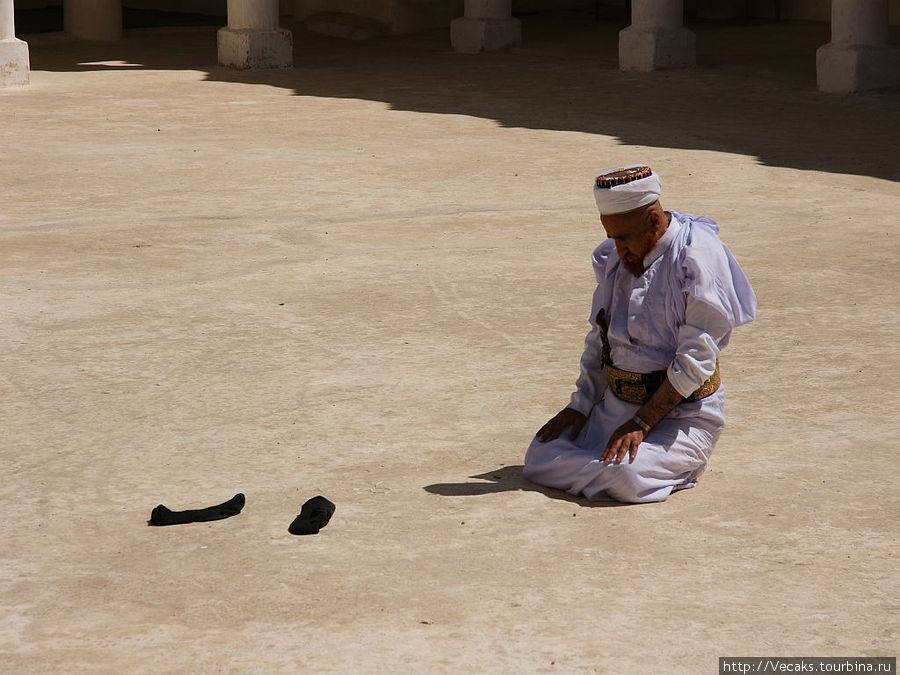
(626, 189)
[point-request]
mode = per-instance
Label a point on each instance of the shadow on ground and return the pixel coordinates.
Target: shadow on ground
(753, 92)
(508, 479)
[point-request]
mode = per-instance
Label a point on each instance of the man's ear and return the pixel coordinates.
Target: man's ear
(654, 220)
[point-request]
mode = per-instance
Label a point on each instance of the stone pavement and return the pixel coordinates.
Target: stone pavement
(368, 278)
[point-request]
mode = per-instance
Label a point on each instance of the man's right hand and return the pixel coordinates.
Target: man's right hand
(567, 417)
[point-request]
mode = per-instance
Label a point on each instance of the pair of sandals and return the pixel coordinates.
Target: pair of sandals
(314, 514)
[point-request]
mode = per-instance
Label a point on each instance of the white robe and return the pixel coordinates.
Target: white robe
(677, 317)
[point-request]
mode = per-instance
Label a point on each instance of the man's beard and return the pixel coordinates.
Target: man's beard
(635, 267)
(634, 260)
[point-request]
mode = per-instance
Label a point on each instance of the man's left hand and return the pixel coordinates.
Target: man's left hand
(624, 441)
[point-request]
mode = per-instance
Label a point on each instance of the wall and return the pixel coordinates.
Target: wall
(408, 14)
(398, 16)
(796, 10)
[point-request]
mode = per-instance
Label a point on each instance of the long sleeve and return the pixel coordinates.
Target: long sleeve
(701, 337)
(718, 298)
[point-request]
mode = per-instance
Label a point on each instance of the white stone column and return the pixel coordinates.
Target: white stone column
(14, 64)
(657, 37)
(99, 20)
(487, 25)
(858, 56)
(253, 38)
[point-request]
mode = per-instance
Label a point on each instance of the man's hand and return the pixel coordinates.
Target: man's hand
(625, 440)
(567, 417)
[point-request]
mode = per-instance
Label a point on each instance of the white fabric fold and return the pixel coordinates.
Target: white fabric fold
(676, 316)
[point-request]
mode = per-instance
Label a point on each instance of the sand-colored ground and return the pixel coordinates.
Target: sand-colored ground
(369, 278)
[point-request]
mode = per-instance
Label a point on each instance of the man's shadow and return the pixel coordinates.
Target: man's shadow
(510, 479)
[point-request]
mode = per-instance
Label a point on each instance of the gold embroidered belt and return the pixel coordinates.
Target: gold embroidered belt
(637, 388)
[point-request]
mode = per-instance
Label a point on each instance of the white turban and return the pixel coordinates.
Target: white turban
(626, 189)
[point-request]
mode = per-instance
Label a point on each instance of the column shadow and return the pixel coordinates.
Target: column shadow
(752, 93)
(510, 479)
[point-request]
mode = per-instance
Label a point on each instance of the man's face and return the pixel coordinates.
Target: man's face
(635, 236)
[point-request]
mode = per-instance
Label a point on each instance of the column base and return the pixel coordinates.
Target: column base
(657, 48)
(471, 36)
(256, 49)
(15, 68)
(842, 69)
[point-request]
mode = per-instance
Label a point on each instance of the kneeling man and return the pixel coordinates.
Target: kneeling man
(649, 403)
